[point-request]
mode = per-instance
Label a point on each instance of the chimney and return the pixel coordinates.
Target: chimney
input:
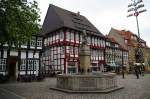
(78, 13)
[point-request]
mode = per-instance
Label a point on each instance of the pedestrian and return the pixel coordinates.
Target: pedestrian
(142, 70)
(136, 72)
(139, 70)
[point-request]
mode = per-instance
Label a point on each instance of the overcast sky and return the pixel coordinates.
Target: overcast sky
(105, 14)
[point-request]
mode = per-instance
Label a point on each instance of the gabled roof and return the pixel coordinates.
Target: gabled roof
(112, 39)
(57, 18)
(126, 34)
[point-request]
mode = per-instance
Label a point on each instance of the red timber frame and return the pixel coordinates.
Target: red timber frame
(70, 50)
(97, 45)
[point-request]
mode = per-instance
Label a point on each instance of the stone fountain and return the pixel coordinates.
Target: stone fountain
(85, 81)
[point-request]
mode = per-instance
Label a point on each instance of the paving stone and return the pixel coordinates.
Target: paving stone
(134, 89)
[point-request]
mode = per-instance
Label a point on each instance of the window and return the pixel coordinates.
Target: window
(80, 37)
(72, 36)
(103, 43)
(39, 42)
(72, 67)
(24, 43)
(94, 66)
(32, 43)
(116, 45)
(53, 38)
(57, 36)
(108, 43)
(77, 37)
(62, 50)
(76, 50)
(61, 35)
(71, 64)
(50, 39)
(45, 42)
(126, 41)
(23, 64)
(98, 42)
(32, 63)
(92, 40)
(68, 35)
(71, 50)
(2, 64)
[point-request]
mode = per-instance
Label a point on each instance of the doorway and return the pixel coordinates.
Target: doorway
(12, 70)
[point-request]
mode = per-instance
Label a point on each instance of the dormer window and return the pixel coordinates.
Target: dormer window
(126, 41)
(108, 43)
(116, 45)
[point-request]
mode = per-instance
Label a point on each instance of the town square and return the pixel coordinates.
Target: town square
(74, 50)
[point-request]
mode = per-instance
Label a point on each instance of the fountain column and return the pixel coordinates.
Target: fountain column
(84, 55)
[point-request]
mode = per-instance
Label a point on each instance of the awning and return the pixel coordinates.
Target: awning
(113, 65)
(138, 64)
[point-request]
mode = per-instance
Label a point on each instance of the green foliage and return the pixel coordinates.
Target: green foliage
(19, 20)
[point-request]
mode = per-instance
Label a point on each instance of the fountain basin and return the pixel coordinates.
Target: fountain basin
(101, 83)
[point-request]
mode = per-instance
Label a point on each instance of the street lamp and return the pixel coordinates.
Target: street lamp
(136, 8)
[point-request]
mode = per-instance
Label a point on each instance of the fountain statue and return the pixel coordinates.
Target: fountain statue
(84, 55)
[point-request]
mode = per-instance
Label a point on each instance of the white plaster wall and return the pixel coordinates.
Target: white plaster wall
(23, 46)
(37, 69)
(22, 73)
(13, 53)
(30, 54)
(29, 72)
(5, 54)
(36, 55)
(66, 68)
(39, 47)
(32, 47)
(23, 54)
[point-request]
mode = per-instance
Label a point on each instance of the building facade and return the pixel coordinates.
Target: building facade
(116, 57)
(129, 41)
(21, 62)
(62, 32)
(57, 49)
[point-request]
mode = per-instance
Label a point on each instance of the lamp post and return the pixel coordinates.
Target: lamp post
(135, 8)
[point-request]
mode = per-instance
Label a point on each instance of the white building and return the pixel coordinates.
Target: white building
(18, 64)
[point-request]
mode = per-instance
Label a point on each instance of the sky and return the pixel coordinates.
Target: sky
(105, 14)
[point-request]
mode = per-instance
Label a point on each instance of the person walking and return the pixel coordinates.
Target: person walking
(136, 72)
(142, 70)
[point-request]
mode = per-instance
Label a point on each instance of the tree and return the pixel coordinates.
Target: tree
(19, 20)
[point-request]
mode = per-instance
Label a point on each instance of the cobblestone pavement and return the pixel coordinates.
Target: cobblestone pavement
(134, 89)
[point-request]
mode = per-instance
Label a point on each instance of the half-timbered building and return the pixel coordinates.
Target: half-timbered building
(22, 61)
(129, 41)
(116, 56)
(62, 31)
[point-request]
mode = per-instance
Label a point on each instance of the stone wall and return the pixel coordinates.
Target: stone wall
(86, 82)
